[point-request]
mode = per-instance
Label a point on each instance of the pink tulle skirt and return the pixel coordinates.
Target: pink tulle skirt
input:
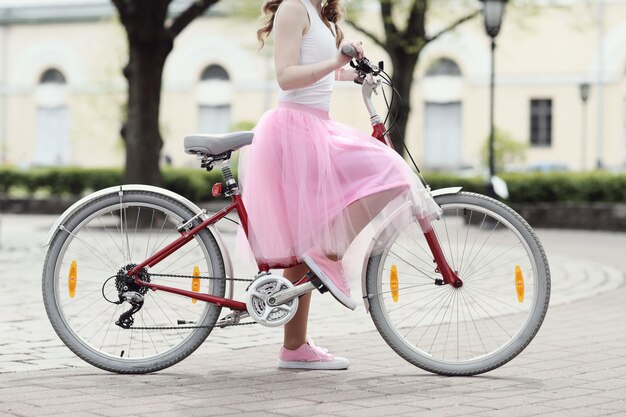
(308, 181)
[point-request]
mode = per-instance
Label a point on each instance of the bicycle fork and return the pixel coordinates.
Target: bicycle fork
(448, 274)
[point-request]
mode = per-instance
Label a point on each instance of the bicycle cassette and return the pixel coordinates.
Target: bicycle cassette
(260, 291)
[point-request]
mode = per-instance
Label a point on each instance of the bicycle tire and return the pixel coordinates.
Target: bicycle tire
(448, 318)
(89, 240)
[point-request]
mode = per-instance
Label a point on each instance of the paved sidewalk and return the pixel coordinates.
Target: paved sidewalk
(575, 366)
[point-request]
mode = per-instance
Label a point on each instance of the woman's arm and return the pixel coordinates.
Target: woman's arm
(290, 24)
(346, 74)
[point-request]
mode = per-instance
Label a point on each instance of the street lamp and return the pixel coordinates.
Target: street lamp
(493, 11)
(584, 96)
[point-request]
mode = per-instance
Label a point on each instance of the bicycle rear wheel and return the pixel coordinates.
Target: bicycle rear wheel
(483, 324)
(112, 234)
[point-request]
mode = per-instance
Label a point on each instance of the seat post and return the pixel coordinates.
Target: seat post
(232, 188)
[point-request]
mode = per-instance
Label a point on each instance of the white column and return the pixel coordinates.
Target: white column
(3, 95)
(600, 82)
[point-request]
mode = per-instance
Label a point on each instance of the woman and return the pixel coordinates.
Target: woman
(310, 184)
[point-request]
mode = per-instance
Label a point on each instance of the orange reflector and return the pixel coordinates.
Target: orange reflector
(72, 278)
(519, 283)
(393, 283)
(195, 282)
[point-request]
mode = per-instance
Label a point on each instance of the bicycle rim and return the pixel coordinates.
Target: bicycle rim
(487, 321)
(97, 244)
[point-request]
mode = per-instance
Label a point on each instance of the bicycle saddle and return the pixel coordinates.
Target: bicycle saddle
(217, 144)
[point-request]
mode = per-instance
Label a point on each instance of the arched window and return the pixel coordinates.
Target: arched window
(53, 141)
(52, 76)
(214, 96)
(443, 66)
(214, 72)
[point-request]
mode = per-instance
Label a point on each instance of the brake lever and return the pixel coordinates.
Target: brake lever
(360, 77)
(365, 66)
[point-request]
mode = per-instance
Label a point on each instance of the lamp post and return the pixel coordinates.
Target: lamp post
(493, 11)
(584, 96)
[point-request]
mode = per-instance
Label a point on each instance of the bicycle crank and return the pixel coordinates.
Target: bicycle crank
(260, 301)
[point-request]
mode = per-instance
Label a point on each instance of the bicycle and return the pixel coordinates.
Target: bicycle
(463, 298)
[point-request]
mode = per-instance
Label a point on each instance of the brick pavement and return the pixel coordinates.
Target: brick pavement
(575, 366)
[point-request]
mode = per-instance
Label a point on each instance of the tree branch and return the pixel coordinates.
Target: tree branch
(386, 8)
(367, 33)
(415, 25)
(453, 26)
(186, 17)
(120, 5)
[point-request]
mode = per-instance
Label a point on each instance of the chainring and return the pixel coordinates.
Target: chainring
(260, 291)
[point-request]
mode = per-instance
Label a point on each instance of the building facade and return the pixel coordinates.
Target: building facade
(62, 94)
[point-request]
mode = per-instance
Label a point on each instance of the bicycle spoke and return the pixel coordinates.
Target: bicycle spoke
(412, 266)
(449, 242)
(100, 255)
(149, 235)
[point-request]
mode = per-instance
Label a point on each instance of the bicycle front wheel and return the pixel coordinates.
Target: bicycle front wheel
(80, 288)
(483, 324)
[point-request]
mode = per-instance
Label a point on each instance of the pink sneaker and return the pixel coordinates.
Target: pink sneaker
(309, 356)
(331, 274)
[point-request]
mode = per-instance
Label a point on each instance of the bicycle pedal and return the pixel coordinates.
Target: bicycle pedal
(317, 283)
(231, 319)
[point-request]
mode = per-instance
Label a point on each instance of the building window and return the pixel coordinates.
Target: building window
(443, 66)
(442, 91)
(214, 72)
(214, 96)
(52, 76)
(541, 122)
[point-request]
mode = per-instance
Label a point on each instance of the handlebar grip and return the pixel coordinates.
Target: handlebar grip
(349, 50)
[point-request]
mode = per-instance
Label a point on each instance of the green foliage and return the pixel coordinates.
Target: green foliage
(507, 150)
(244, 125)
(546, 187)
(243, 9)
(195, 184)
(567, 187)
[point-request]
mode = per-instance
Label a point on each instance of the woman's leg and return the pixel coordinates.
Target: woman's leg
(360, 214)
(362, 211)
(295, 329)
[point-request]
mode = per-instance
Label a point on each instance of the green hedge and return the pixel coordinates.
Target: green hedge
(547, 187)
(195, 184)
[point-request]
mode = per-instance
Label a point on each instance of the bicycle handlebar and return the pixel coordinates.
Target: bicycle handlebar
(362, 65)
(366, 71)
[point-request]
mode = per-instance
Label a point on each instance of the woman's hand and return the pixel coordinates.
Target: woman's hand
(344, 59)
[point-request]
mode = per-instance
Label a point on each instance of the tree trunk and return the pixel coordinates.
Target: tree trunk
(150, 37)
(141, 130)
(403, 82)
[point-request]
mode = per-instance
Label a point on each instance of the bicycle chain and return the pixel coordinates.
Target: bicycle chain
(195, 327)
(200, 277)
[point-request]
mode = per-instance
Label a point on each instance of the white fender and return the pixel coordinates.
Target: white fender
(228, 266)
(378, 238)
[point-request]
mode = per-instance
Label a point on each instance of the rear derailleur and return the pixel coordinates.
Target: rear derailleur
(130, 292)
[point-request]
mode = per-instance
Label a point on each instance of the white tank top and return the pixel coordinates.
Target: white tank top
(318, 44)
